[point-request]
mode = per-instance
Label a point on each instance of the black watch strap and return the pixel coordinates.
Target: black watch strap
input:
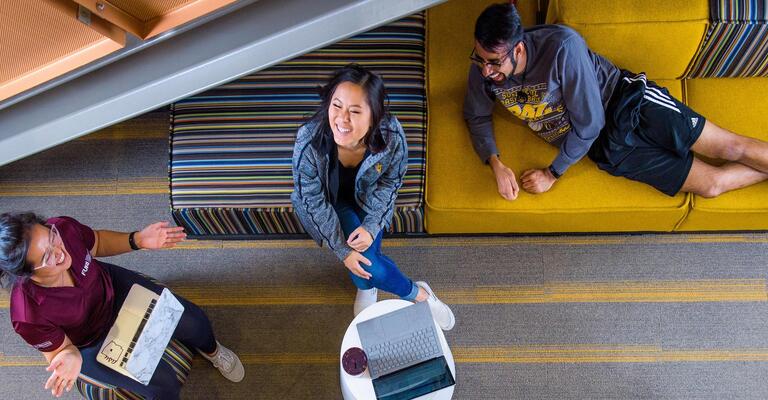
(554, 173)
(132, 241)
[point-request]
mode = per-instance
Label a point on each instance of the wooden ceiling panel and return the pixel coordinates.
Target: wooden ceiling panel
(40, 40)
(146, 10)
(43, 39)
(147, 18)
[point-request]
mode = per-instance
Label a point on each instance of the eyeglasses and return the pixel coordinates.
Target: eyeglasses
(54, 243)
(493, 64)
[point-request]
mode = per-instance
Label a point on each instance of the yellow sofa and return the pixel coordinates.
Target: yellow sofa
(740, 105)
(658, 37)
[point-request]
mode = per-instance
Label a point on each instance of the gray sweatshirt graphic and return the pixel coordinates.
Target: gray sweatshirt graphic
(567, 88)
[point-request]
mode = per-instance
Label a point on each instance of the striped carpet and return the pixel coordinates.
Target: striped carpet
(538, 317)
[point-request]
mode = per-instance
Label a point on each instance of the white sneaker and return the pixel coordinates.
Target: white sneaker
(365, 298)
(227, 362)
(440, 311)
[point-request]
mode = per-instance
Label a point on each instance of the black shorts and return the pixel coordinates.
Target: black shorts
(648, 135)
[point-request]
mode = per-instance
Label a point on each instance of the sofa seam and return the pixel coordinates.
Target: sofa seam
(698, 20)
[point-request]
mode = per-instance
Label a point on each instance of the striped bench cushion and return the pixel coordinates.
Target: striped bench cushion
(177, 355)
(736, 43)
(231, 147)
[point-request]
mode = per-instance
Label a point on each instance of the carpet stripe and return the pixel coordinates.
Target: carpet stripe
(602, 354)
(119, 133)
(726, 290)
(492, 241)
(534, 354)
(90, 187)
(748, 290)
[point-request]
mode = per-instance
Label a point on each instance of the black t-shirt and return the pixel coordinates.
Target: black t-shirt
(347, 182)
(342, 179)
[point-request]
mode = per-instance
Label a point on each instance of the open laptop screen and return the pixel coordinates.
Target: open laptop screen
(414, 381)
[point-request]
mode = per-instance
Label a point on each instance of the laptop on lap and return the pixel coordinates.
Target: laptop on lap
(138, 338)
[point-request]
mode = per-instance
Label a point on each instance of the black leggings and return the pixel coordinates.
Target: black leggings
(194, 331)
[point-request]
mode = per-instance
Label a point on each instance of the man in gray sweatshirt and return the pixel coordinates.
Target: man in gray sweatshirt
(580, 102)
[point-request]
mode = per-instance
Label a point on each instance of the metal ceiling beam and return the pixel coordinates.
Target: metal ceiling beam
(250, 39)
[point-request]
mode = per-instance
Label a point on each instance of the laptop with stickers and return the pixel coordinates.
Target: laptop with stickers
(138, 338)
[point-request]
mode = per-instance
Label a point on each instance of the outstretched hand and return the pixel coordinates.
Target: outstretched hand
(160, 236)
(64, 369)
(537, 180)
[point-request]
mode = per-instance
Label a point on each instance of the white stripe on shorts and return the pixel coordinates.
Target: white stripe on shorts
(659, 96)
(654, 95)
(652, 100)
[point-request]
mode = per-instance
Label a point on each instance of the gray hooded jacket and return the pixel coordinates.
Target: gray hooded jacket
(378, 180)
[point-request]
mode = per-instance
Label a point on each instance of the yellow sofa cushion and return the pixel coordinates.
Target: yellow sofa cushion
(659, 37)
(621, 12)
(739, 105)
(461, 191)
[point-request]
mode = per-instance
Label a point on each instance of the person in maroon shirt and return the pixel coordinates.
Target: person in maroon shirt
(64, 301)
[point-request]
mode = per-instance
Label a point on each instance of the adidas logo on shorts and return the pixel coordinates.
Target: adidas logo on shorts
(694, 121)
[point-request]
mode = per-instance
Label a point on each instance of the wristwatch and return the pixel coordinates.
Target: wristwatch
(132, 241)
(554, 173)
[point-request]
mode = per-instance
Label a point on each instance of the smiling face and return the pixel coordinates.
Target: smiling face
(46, 254)
(349, 115)
(496, 65)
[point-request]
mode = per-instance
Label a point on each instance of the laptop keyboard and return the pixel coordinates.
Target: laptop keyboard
(391, 356)
(138, 332)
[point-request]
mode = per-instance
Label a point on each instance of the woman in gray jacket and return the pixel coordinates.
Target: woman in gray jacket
(348, 163)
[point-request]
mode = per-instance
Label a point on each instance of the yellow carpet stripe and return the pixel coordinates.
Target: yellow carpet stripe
(140, 134)
(726, 290)
(22, 361)
(495, 241)
(534, 354)
(153, 125)
(603, 354)
(137, 186)
(750, 290)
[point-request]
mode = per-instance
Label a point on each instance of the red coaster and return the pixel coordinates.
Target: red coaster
(354, 361)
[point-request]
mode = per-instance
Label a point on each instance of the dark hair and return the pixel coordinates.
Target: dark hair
(498, 25)
(14, 243)
(376, 95)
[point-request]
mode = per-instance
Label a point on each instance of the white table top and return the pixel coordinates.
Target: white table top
(360, 387)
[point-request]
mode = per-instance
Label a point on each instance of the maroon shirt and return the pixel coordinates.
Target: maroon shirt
(42, 316)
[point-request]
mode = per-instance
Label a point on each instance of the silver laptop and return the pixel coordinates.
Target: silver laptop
(141, 332)
(399, 339)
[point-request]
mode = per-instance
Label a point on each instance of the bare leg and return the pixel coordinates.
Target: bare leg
(710, 181)
(716, 142)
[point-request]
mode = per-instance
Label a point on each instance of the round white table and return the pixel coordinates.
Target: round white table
(360, 387)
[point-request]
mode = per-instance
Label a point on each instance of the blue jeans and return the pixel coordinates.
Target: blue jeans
(384, 273)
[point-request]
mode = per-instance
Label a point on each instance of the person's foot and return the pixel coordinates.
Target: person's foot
(365, 298)
(440, 311)
(227, 362)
